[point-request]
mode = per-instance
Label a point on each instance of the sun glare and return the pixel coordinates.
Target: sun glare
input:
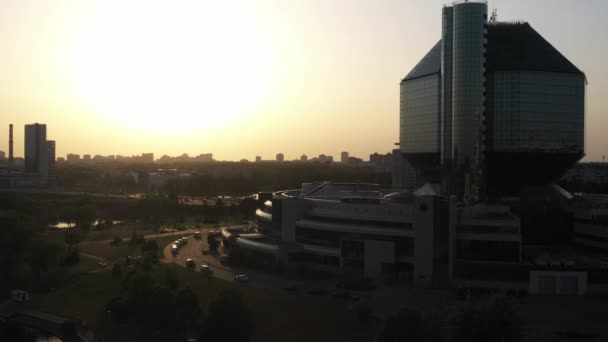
(172, 67)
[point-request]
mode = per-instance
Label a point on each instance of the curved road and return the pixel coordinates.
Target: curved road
(194, 250)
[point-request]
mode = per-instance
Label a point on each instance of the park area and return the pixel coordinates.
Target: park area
(275, 316)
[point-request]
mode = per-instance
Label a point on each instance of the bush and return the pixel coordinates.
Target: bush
(118, 309)
(489, 319)
(364, 313)
(136, 239)
(116, 271)
(117, 240)
(72, 256)
(228, 319)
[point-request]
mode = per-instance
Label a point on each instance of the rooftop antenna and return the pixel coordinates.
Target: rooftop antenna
(494, 16)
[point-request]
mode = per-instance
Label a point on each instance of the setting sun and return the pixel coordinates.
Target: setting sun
(175, 69)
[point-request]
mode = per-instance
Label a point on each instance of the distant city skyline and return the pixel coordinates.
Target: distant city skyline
(319, 77)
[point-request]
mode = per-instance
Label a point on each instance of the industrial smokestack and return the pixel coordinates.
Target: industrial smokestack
(10, 143)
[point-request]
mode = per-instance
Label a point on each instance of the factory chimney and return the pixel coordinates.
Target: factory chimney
(10, 144)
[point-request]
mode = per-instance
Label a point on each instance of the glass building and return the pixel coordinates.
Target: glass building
(420, 116)
(446, 84)
(490, 108)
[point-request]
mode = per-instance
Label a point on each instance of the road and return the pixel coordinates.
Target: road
(148, 236)
(194, 250)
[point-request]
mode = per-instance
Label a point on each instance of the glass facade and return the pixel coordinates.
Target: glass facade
(446, 83)
(538, 111)
(420, 115)
(468, 80)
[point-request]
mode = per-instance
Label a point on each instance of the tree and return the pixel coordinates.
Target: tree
(491, 318)
(150, 251)
(213, 243)
(72, 256)
(119, 309)
(364, 313)
(409, 325)
(187, 308)
(72, 237)
(43, 254)
(117, 240)
(84, 215)
(171, 279)
(136, 239)
(116, 271)
(228, 319)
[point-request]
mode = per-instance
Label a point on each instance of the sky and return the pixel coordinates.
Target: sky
(246, 78)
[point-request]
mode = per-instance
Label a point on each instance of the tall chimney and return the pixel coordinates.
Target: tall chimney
(10, 143)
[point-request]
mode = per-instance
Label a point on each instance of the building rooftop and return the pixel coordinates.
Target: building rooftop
(517, 46)
(429, 65)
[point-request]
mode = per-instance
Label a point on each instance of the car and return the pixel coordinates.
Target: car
(206, 269)
(345, 295)
(290, 289)
(214, 233)
(190, 263)
(240, 277)
(319, 292)
(225, 259)
(20, 296)
(197, 235)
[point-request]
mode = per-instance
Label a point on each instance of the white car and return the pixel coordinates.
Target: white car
(206, 269)
(241, 277)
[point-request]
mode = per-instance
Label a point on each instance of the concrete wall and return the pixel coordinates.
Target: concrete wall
(423, 241)
(557, 282)
(293, 210)
(377, 253)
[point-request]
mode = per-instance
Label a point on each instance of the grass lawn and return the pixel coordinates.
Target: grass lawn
(104, 249)
(84, 265)
(277, 316)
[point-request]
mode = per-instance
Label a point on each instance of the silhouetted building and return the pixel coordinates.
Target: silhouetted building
(11, 156)
(403, 174)
(344, 158)
(73, 158)
(325, 158)
(258, 159)
(280, 157)
(205, 157)
(50, 154)
(147, 158)
(36, 160)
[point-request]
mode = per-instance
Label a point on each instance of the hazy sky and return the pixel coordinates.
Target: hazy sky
(246, 78)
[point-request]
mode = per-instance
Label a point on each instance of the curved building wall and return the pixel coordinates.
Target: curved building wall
(446, 83)
(536, 110)
(468, 78)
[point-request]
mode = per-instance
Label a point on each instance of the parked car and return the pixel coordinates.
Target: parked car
(345, 295)
(319, 292)
(20, 296)
(206, 269)
(197, 235)
(214, 233)
(190, 263)
(240, 277)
